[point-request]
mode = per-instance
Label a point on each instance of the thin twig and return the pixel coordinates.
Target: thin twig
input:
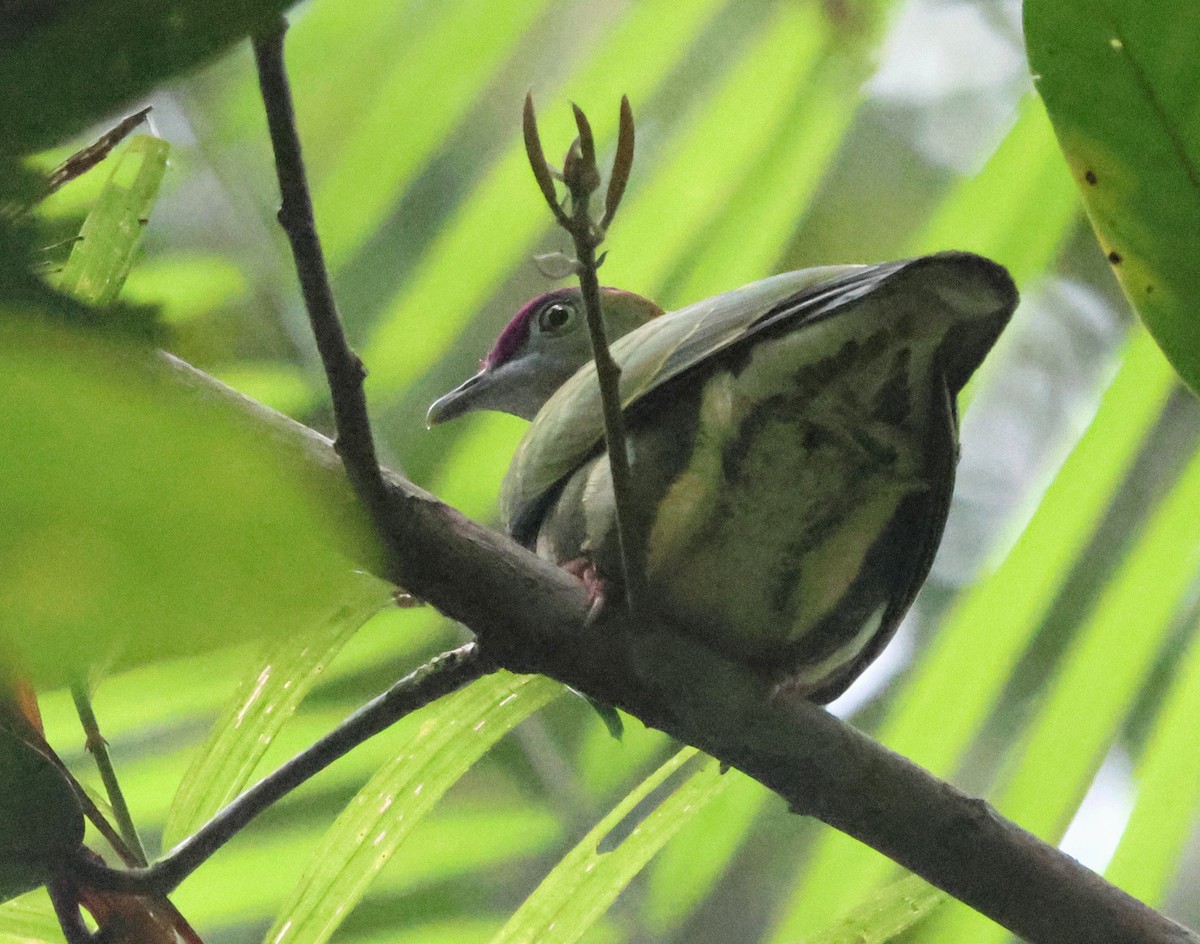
(85, 159)
(98, 747)
(343, 368)
(441, 676)
(582, 178)
(608, 373)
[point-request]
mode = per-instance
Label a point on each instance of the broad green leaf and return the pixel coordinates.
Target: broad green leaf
(884, 916)
(40, 818)
(263, 704)
(1168, 791)
(1118, 80)
(590, 877)
(935, 717)
(689, 867)
(101, 257)
(162, 517)
(447, 848)
(67, 66)
(455, 733)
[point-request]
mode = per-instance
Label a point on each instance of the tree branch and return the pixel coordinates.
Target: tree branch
(343, 369)
(441, 676)
(529, 617)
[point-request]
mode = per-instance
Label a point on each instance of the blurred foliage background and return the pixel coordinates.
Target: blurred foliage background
(1049, 663)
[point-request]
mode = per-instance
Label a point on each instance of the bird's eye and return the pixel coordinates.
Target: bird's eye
(555, 318)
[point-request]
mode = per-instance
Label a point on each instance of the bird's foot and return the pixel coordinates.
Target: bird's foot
(584, 570)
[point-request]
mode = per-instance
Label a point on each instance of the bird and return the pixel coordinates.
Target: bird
(792, 447)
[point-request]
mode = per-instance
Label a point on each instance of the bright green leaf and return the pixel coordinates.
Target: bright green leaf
(1119, 80)
(1168, 792)
(1105, 668)
(185, 287)
(29, 919)
(684, 874)
(713, 150)
(989, 213)
(472, 253)
(454, 734)
(884, 916)
(281, 386)
(447, 847)
(375, 163)
(744, 242)
(263, 704)
(148, 514)
(101, 257)
(590, 877)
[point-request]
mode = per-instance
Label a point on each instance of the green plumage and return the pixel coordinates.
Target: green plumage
(792, 449)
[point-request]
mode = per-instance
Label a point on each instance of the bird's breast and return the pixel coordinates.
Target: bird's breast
(789, 496)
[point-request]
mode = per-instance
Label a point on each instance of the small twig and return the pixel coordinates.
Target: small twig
(84, 160)
(582, 179)
(343, 368)
(441, 676)
(98, 747)
(632, 547)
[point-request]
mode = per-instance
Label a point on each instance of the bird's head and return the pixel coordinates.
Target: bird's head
(543, 345)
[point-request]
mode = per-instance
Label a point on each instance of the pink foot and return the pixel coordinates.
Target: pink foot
(584, 570)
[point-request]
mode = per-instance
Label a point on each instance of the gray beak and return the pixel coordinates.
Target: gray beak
(460, 400)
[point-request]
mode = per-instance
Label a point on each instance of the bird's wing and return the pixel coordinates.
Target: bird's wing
(570, 426)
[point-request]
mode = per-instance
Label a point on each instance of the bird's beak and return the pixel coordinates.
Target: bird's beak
(462, 399)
